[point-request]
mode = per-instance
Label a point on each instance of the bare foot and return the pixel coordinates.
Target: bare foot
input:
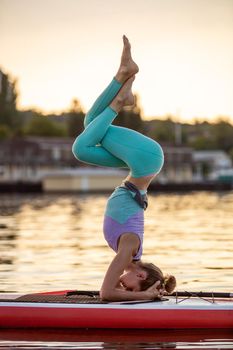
(128, 67)
(124, 97)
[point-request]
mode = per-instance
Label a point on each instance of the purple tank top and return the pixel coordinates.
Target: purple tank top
(113, 230)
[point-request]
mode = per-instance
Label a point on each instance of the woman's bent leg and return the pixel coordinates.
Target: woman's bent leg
(143, 155)
(87, 146)
(119, 146)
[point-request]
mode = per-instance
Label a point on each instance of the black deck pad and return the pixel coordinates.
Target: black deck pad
(76, 297)
(66, 299)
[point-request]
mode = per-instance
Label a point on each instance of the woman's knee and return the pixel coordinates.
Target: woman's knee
(79, 148)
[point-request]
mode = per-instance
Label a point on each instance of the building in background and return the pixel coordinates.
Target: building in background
(50, 161)
(83, 179)
(178, 165)
(211, 165)
(29, 159)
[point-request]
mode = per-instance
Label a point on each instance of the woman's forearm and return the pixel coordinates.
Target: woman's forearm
(121, 294)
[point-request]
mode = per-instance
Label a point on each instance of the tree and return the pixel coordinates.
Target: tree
(75, 119)
(223, 134)
(8, 99)
(209, 136)
(202, 143)
(43, 126)
(162, 130)
(4, 131)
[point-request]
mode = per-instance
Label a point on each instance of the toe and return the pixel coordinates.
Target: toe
(126, 41)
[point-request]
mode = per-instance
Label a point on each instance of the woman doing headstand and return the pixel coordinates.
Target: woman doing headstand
(104, 144)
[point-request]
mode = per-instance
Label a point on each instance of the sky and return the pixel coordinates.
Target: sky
(64, 49)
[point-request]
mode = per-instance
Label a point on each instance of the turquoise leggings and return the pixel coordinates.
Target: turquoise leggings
(112, 146)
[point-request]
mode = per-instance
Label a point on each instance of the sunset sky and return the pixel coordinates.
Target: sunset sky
(62, 49)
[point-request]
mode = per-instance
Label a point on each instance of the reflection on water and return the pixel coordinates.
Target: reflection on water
(115, 339)
(56, 242)
(50, 242)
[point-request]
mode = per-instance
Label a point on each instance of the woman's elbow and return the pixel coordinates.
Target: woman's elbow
(105, 295)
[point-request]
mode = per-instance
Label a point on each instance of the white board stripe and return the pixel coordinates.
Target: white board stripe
(149, 306)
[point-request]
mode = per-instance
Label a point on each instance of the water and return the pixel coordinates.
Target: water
(115, 340)
(51, 242)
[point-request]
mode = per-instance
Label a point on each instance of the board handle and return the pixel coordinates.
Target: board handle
(82, 292)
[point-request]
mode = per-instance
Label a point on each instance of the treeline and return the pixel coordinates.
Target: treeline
(200, 136)
(18, 123)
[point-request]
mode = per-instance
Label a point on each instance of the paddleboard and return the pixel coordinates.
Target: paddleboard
(84, 309)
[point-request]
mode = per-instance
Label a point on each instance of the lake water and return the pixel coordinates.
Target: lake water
(51, 242)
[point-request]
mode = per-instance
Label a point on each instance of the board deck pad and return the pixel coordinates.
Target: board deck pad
(71, 297)
(65, 299)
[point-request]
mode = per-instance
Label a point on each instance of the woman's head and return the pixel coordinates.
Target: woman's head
(154, 274)
(132, 278)
(140, 276)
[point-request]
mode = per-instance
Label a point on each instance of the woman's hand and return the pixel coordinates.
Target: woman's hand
(154, 291)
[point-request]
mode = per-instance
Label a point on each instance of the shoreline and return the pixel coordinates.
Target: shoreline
(28, 187)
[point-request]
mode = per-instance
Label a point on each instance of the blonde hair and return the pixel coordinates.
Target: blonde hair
(154, 274)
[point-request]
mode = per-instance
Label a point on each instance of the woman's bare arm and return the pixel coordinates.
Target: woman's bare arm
(110, 291)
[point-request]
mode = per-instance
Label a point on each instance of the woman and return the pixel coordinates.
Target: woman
(101, 143)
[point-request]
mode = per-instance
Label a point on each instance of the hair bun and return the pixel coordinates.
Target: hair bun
(169, 283)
